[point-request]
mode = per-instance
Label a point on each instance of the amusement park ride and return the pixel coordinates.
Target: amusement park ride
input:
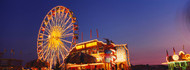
(178, 62)
(58, 37)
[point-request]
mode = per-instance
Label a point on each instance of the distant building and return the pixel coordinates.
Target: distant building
(10, 64)
(108, 56)
(1, 54)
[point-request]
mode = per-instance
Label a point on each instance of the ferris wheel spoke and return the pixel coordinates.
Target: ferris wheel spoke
(43, 34)
(51, 60)
(44, 47)
(57, 53)
(48, 31)
(61, 18)
(66, 23)
(43, 53)
(67, 35)
(63, 46)
(67, 20)
(66, 41)
(53, 56)
(52, 20)
(50, 23)
(65, 16)
(47, 25)
(56, 20)
(43, 39)
(43, 43)
(66, 46)
(69, 30)
(63, 55)
(70, 25)
(64, 19)
(46, 55)
(62, 13)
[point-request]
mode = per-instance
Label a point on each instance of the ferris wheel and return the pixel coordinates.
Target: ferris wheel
(57, 35)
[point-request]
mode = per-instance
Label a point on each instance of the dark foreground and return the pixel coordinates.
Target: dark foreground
(149, 67)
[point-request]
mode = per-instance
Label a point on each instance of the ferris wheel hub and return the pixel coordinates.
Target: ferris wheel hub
(54, 37)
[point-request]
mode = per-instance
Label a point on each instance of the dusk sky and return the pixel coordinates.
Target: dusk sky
(149, 27)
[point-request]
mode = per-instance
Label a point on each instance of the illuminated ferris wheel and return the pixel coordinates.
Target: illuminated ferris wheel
(57, 35)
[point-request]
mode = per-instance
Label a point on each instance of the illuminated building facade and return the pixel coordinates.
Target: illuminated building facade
(178, 62)
(108, 57)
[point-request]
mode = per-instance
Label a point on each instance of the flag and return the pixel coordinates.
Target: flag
(167, 53)
(97, 33)
(82, 36)
(90, 33)
(173, 50)
(12, 51)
